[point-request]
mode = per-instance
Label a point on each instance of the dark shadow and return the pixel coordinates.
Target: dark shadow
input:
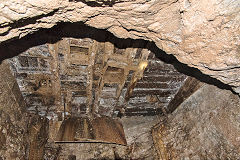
(98, 3)
(189, 71)
(14, 47)
(94, 4)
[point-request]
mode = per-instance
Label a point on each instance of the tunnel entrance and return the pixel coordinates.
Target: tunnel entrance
(77, 79)
(74, 81)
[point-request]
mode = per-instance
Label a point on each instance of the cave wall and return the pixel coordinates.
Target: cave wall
(202, 34)
(205, 126)
(139, 138)
(13, 117)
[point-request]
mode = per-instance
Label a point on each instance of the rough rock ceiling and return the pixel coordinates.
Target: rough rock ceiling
(84, 77)
(203, 34)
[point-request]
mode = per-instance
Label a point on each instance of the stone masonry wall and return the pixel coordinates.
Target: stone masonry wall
(205, 126)
(13, 119)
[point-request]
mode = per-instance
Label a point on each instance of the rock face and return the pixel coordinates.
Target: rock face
(202, 34)
(205, 126)
(13, 117)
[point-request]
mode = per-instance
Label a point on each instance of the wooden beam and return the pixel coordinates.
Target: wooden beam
(190, 86)
(108, 51)
(55, 67)
(138, 74)
(91, 54)
(128, 51)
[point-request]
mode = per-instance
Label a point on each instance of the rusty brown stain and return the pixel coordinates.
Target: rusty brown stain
(100, 129)
(158, 135)
(110, 130)
(38, 134)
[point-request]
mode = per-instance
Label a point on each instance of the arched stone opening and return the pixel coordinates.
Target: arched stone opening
(41, 84)
(81, 31)
(13, 47)
(210, 43)
(44, 89)
(18, 46)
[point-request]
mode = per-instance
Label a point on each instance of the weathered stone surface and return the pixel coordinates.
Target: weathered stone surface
(201, 34)
(13, 117)
(139, 139)
(205, 126)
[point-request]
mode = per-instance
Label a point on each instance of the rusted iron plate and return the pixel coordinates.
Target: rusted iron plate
(109, 130)
(99, 130)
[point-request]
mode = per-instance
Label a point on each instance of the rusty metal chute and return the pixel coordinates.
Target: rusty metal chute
(99, 130)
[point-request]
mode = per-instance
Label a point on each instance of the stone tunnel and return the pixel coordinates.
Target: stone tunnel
(134, 80)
